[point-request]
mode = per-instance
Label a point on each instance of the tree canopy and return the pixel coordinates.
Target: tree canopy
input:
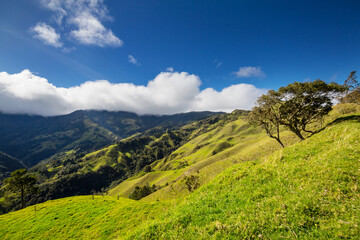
(352, 93)
(305, 103)
(295, 106)
(267, 114)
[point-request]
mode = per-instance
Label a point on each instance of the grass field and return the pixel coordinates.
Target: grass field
(79, 217)
(309, 190)
(205, 156)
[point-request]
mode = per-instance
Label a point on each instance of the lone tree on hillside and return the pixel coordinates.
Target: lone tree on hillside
(295, 106)
(305, 103)
(267, 115)
(20, 182)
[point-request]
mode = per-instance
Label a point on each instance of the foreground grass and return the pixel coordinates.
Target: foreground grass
(310, 190)
(79, 218)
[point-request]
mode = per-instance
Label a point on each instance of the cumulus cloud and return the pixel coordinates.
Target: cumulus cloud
(132, 60)
(167, 93)
(46, 34)
(85, 19)
(239, 96)
(245, 72)
(169, 69)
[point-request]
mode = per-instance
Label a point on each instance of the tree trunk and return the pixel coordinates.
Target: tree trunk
(277, 139)
(299, 134)
(296, 131)
(280, 142)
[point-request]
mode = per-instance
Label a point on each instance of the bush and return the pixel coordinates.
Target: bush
(140, 192)
(147, 168)
(192, 182)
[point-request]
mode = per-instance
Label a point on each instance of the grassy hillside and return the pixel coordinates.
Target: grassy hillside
(79, 218)
(72, 173)
(204, 156)
(309, 190)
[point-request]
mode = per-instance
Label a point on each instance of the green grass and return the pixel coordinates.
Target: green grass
(79, 218)
(309, 190)
(206, 156)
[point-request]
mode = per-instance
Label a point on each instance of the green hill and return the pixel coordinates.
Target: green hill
(32, 139)
(309, 190)
(204, 156)
(8, 164)
(72, 173)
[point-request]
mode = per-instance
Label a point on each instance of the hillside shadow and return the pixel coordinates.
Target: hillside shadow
(355, 118)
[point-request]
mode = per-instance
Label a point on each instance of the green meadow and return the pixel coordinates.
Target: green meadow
(250, 189)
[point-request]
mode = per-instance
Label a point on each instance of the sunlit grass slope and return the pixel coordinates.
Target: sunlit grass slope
(204, 156)
(79, 218)
(309, 190)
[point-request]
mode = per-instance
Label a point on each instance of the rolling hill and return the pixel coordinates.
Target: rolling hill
(309, 190)
(72, 173)
(8, 164)
(204, 156)
(32, 139)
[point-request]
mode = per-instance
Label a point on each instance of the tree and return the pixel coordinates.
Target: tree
(352, 93)
(295, 106)
(267, 115)
(305, 103)
(351, 83)
(20, 181)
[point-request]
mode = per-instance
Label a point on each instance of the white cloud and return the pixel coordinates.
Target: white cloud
(47, 34)
(132, 60)
(85, 19)
(91, 32)
(169, 69)
(245, 72)
(167, 93)
(56, 7)
(239, 96)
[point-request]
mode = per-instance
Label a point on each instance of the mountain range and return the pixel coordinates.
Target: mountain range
(28, 140)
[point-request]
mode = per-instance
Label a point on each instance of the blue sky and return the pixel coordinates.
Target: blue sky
(265, 44)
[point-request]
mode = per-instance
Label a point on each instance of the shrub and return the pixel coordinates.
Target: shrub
(192, 182)
(140, 192)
